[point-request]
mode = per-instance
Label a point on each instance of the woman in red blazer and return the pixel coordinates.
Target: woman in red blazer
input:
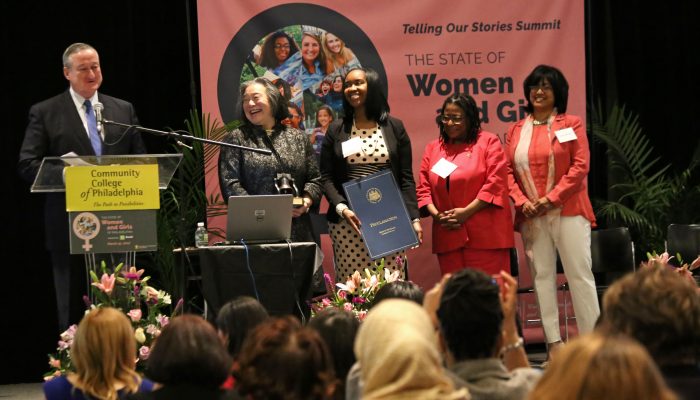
(547, 179)
(463, 186)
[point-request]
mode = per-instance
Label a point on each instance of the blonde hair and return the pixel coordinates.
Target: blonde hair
(596, 366)
(338, 59)
(104, 354)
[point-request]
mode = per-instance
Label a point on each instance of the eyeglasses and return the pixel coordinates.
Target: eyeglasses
(282, 46)
(545, 87)
(457, 120)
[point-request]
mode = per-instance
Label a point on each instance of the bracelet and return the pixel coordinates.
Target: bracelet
(415, 220)
(513, 346)
(340, 208)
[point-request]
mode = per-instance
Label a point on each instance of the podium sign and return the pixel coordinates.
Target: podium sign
(112, 201)
(115, 231)
(112, 187)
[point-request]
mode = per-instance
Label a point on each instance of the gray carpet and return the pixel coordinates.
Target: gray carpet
(22, 391)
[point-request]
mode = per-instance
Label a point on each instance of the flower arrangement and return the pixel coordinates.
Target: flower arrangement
(128, 291)
(663, 260)
(357, 293)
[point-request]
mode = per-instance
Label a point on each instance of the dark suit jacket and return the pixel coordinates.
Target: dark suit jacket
(334, 171)
(54, 129)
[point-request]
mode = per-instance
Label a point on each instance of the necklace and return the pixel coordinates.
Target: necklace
(536, 122)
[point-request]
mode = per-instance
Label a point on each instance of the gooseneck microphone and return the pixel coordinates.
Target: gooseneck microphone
(98, 107)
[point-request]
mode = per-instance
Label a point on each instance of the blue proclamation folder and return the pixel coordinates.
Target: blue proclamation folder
(377, 202)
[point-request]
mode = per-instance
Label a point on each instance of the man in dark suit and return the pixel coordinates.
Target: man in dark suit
(63, 124)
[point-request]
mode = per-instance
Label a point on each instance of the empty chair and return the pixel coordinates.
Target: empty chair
(612, 252)
(684, 240)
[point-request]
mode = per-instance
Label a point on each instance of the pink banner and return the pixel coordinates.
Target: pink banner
(424, 52)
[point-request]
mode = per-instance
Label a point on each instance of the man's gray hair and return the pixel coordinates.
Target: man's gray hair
(72, 49)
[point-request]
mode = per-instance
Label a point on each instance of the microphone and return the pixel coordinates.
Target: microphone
(98, 107)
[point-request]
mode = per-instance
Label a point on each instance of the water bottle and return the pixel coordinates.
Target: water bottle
(201, 236)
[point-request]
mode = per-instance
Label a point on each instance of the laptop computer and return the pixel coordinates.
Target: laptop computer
(259, 219)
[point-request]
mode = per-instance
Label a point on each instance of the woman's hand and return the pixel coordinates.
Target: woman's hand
(352, 219)
(303, 209)
(454, 218)
(419, 231)
(529, 209)
(543, 205)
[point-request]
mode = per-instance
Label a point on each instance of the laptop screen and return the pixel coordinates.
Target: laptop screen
(260, 218)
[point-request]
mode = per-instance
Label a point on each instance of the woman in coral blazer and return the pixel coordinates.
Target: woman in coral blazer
(468, 199)
(547, 179)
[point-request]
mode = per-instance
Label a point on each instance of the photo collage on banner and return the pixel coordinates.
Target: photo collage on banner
(307, 64)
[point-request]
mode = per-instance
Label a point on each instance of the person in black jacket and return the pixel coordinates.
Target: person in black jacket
(385, 145)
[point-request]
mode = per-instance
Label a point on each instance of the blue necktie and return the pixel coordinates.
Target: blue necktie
(95, 138)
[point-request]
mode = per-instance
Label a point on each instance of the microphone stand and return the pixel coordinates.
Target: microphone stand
(180, 136)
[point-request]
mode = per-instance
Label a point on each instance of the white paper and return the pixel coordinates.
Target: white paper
(74, 161)
(443, 168)
(566, 135)
(352, 146)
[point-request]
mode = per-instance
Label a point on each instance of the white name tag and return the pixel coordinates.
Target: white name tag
(566, 135)
(443, 168)
(352, 146)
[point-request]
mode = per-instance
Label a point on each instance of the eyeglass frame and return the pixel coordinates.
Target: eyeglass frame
(282, 46)
(445, 119)
(544, 87)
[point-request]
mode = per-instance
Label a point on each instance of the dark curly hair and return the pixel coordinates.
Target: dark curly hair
(267, 54)
(280, 359)
(471, 116)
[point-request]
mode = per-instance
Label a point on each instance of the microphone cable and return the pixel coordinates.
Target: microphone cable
(250, 270)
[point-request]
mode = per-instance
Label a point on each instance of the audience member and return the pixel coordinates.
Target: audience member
(398, 352)
(594, 367)
(280, 359)
(476, 316)
(189, 361)
(237, 318)
(399, 290)
(104, 358)
(660, 309)
(338, 329)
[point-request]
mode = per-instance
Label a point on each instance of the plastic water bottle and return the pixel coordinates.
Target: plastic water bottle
(201, 236)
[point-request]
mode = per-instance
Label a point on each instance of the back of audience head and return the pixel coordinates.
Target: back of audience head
(597, 366)
(189, 351)
(470, 315)
(338, 329)
(660, 309)
(237, 318)
(104, 353)
(399, 290)
(398, 353)
(280, 359)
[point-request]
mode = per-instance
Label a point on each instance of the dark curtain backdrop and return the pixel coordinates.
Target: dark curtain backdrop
(641, 55)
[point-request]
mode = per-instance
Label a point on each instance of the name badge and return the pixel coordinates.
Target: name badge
(566, 135)
(352, 146)
(443, 168)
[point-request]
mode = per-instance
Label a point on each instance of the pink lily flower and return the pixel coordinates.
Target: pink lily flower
(106, 283)
(135, 315)
(133, 274)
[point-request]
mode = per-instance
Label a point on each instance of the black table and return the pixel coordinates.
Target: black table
(279, 273)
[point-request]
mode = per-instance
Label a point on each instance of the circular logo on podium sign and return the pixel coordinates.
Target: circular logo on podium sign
(86, 226)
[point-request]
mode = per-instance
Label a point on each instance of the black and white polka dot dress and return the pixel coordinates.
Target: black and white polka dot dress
(349, 249)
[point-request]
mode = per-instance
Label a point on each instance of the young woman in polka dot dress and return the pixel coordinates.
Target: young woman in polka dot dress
(385, 145)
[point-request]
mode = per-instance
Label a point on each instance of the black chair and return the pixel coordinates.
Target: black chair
(612, 253)
(684, 240)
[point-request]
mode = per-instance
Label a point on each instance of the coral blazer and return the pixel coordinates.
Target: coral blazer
(571, 166)
(482, 175)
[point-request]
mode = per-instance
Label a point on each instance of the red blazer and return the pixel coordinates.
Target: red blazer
(481, 175)
(571, 165)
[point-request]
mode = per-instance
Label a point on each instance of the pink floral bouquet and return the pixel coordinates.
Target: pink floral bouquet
(126, 290)
(663, 260)
(357, 293)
